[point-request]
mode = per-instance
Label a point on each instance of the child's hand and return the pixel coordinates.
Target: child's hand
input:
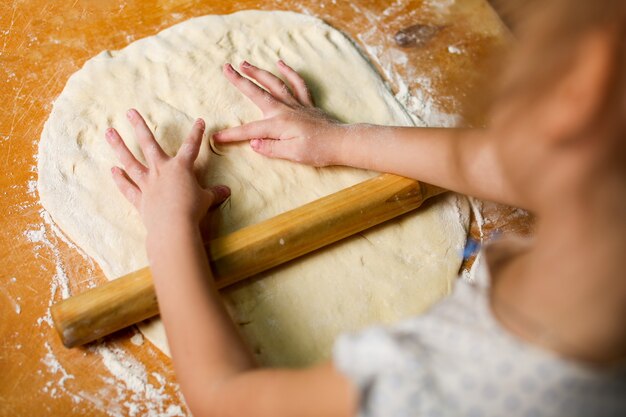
(166, 192)
(292, 127)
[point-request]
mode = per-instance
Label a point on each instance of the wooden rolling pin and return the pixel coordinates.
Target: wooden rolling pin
(244, 253)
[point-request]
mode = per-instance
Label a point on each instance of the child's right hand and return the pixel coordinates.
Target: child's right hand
(292, 127)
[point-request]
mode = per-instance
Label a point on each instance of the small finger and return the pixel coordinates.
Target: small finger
(257, 129)
(272, 83)
(218, 194)
(133, 167)
(129, 190)
(261, 98)
(189, 150)
(152, 151)
(298, 85)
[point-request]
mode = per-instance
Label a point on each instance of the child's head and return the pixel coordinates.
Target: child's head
(561, 104)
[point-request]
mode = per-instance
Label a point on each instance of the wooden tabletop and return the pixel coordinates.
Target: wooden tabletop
(42, 43)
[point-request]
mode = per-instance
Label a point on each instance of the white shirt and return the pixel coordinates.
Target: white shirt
(457, 360)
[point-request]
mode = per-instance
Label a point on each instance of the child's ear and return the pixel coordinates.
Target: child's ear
(580, 93)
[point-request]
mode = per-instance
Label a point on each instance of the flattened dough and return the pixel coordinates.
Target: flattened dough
(291, 315)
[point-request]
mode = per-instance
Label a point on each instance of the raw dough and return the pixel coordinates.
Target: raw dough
(292, 314)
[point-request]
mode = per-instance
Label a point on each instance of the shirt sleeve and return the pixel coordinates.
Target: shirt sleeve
(390, 370)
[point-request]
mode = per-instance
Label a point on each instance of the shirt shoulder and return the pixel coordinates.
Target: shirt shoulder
(456, 360)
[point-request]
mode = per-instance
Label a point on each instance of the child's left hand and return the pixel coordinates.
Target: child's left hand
(166, 192)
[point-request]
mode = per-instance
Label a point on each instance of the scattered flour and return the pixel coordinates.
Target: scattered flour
(39, 236)
(32, 187)
(15, 301)
(453, 49)
(133, 387)
(137, 339)
(515, 214)
(420, 99)
(56, 388)
(423, 103)
(477, 207)
(129, 390)
(440, 6)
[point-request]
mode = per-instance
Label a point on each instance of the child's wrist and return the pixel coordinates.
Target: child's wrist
(334, 149)
(162, 236)
(346, 143)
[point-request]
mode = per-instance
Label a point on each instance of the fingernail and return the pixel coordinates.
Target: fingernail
(222, 190)
(281, 62)
(109, 133)
(113, 170)
(130, 113)
(228, 67)
(245, 64)
(255, 143)
(200, 122)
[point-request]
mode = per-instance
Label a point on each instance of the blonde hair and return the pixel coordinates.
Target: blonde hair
(548, 33)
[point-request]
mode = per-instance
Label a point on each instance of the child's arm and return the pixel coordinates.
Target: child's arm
(216, 371)
(462, 160)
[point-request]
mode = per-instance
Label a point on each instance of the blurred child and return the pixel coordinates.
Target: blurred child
(542, 330)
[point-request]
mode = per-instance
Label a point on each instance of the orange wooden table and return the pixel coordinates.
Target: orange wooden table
(42, 43)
